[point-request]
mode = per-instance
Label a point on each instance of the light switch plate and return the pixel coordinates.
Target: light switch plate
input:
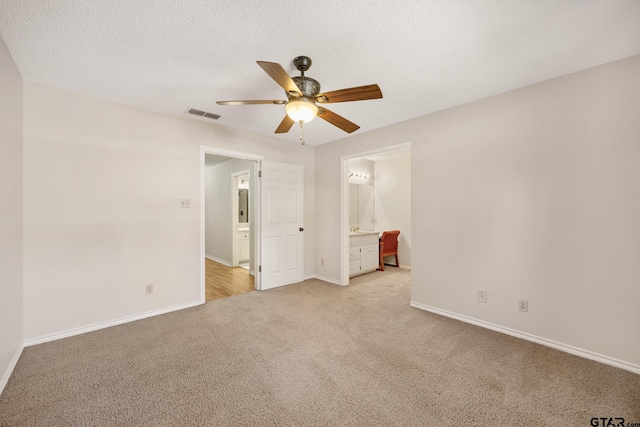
(185, 203)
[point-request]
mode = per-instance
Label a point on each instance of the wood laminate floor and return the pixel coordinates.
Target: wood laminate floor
(222, 281)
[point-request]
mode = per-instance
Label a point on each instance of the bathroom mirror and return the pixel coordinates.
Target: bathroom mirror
(243, 205)
(353, 205)
(361, 206)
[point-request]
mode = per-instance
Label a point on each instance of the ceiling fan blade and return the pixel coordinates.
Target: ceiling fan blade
(337, 120)
(250, 102)
(359, 93)
(285, 125)
(281, 77)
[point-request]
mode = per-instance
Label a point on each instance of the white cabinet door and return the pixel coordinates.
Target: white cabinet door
(354, 268)
(369, 257)
(354, 254)
(363, 254)
(282, 224)
(243, 246)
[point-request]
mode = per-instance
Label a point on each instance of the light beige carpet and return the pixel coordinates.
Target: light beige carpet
(311, 354)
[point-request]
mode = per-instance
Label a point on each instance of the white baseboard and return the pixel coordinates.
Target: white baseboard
(533, 338)
(102, 325)
(324, 279)
(10, 368)
(218, 260)
(406, 267)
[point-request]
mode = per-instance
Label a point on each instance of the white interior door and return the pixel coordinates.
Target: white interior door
(282, 224)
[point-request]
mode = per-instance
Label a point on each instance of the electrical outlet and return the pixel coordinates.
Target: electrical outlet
(482, 296)
(523, 305)
(321, 261)
(185, 203)
(149, 288)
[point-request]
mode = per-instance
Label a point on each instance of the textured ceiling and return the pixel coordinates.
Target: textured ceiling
(169, 56)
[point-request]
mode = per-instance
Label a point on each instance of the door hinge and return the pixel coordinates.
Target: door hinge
(259, 174)
(259, 269)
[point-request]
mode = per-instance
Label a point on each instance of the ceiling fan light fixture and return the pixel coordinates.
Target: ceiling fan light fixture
(301, 111)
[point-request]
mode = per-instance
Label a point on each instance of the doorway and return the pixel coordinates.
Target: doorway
(376, 197)
(223, 173)
(279, 218)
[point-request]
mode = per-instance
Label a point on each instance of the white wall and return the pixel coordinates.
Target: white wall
(530, 194)
(393, 201)
(102, 183)
(11, 259)
(218, 209)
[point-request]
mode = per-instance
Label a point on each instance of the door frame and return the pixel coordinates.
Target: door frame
(234, 213)
(204, 150)
(344, 203)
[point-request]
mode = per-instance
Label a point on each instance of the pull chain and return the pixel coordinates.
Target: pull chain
(301, 133)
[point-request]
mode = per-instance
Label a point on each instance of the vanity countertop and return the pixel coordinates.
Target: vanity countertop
(363, 233)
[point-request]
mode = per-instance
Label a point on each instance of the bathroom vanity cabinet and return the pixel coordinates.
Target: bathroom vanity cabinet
(242, 245)
(363, 252)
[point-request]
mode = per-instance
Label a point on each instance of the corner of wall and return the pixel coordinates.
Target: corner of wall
(11, 212)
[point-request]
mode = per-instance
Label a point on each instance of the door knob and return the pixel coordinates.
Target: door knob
(301, 229)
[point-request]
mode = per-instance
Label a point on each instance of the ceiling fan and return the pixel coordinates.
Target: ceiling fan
(304, 92)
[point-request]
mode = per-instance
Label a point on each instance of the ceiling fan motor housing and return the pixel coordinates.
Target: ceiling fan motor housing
(308, 86)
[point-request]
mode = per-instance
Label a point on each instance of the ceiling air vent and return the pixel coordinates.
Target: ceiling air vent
(203, 114)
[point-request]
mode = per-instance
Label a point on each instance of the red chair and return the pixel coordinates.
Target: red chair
(388, 247)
